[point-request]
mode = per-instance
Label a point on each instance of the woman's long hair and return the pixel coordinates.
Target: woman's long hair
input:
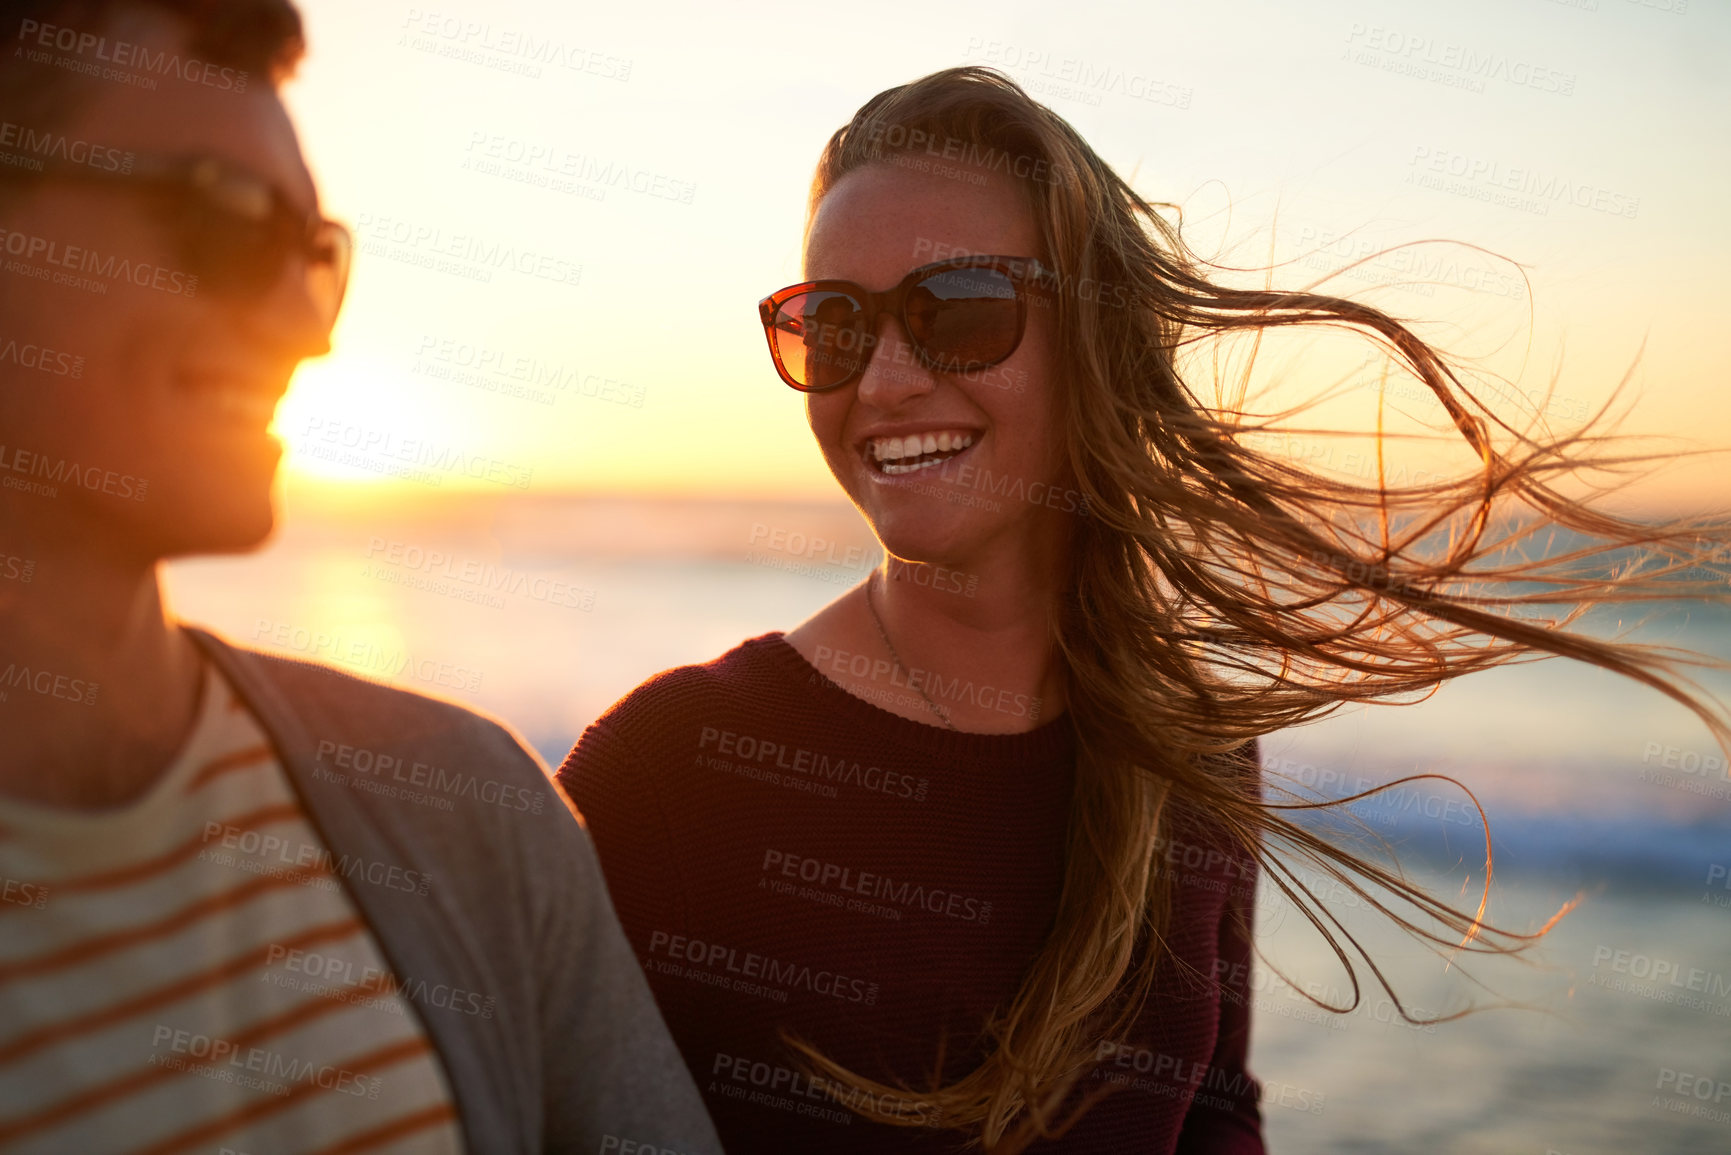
(1217, 593)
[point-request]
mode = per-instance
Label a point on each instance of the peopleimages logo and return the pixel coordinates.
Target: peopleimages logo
(378, 765)
(29, 355)
(31, 894)
(1076, 78)
(57, 255)
(367, 655)
(1170, 1073)
(89, 52)
(38, 144)
(503, 47)
(773, 1085)
(360, 445)
(1662, 980)
(467, 255)
(497, 370)
(1459, 66)
(259, 849)
(782, 976)
(277, 1070)
(347, 974)
(1545, 188)
(59, 471)
(829, 875)
(469, 579)
(929, 683)
(820, 766)
(16, 569)
(554, 161)
(48, 684)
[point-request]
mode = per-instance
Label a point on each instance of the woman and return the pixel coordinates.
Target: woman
(966, 858)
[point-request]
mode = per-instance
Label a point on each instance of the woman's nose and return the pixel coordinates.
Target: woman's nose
(894, 375)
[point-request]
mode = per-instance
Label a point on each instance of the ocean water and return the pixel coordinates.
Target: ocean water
(1579, 1054)
(543, 611)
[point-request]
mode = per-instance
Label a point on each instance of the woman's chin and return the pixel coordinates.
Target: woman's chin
(936, 536)
(923, 516)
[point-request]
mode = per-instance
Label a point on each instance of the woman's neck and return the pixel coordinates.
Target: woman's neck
(947, 645)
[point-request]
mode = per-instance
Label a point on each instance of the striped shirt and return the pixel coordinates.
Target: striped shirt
(187, 973)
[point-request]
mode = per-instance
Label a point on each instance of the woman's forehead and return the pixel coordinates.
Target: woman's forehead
(879, 221)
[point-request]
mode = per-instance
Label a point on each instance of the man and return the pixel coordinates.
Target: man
(246, 904)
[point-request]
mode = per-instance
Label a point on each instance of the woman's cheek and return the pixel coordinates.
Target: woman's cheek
(827, 421)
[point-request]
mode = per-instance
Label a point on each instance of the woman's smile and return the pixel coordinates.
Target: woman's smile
(898, 454)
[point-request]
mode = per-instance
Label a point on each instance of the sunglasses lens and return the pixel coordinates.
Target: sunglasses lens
(965, 318)
(231, 254)
(242, 257)
(820, 337)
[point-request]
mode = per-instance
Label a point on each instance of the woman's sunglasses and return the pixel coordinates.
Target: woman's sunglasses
(234, 230)
(960, 315)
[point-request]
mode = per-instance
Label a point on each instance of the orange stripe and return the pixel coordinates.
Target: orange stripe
(94, 1098)
(361, 1065)
(162, 996)
(90, 948)
(140, 871)
(396, 1129)
(239, 760)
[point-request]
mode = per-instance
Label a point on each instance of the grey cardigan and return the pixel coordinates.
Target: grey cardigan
(513, 957)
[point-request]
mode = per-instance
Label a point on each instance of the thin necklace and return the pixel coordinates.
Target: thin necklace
(897, 658)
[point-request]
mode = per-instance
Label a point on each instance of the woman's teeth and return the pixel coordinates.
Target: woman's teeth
(917, 450)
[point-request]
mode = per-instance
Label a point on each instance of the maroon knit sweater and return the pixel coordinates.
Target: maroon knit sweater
(785, 855)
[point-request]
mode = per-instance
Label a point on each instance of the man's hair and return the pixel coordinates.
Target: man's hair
(262, 38)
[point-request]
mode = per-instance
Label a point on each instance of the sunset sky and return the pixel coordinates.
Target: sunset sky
(1584, 141)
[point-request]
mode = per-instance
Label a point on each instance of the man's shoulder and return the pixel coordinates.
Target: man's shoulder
(346, 723)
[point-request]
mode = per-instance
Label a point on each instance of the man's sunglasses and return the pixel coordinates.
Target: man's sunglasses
(234, 230)
(960, 316)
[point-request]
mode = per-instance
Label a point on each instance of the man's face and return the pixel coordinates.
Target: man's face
(176, 390)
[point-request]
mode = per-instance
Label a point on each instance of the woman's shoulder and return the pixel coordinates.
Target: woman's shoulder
(745, 679)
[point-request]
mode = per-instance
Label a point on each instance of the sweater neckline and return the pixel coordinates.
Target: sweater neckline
(1047, 742)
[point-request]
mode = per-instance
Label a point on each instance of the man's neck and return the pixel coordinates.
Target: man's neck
(98, 689)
